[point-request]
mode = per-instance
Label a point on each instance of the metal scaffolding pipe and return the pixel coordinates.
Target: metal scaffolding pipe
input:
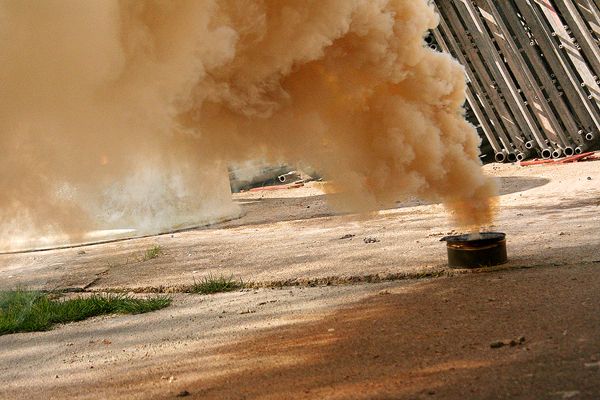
(504, 126)
(524, 77)
(532, 69)
(546, 153)
(500, 71)
(540, 68)
(569, 151)
(557, 153)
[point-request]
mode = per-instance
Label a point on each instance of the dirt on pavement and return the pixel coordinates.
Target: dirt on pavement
(435, 338)
(434, 341)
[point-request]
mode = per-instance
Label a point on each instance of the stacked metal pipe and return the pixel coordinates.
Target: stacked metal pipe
(533, 70)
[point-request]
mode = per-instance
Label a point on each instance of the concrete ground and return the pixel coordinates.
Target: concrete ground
(394, 322)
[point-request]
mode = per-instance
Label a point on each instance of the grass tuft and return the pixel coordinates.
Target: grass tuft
(30, 311)
(212, 284)
(152, 252)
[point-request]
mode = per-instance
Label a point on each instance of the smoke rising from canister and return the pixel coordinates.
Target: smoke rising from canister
(125, 114)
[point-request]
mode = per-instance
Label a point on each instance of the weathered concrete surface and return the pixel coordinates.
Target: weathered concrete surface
(71, 359)
(398, 340)
(429, 339)
(550, 213)
(426, 338)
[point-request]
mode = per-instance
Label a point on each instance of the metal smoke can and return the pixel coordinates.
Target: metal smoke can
(485, 249)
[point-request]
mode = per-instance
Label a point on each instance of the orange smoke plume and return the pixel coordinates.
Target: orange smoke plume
(171, 92)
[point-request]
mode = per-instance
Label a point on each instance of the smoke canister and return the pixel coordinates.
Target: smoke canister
(476, 250)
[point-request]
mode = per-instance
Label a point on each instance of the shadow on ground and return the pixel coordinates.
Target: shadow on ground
(277, 209)
(433, 341)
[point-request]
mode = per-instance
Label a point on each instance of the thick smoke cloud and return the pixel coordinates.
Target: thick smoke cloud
(126, 113)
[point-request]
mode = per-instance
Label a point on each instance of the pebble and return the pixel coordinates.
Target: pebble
(183, 393)
(347, 236)
(370, 240)
(507, 342)
(570, 394)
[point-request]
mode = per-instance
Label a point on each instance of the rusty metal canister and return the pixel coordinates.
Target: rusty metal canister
(480, 250)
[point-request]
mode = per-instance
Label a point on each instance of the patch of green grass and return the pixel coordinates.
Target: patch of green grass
(152, 252)
(212, 284)
(30, 311)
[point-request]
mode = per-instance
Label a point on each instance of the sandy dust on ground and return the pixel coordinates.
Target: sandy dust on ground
(432, 338)
(416, 338)
(396, 340)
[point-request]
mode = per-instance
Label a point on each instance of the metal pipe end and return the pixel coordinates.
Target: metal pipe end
(546, 154)
(589, 136)
(290, 176)
(512, 157)
(520, 156)
(557, 153)
(500, 157)
(578, 150)
(484, 249)
(529, 144)
(569, 151)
